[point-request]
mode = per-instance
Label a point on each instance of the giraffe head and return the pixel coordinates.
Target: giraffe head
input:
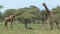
(43, 4)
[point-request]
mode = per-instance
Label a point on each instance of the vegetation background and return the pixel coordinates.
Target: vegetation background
(33, 17)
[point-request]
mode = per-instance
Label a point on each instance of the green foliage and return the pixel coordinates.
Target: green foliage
(1, 6)
(9, 12)
(56, 9)
(0, 16)
(29, 13)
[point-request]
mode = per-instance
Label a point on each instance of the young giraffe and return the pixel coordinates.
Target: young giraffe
(10, 19)
(49, 16)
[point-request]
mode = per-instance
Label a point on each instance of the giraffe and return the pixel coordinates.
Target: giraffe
(49, 16)
(10, 19)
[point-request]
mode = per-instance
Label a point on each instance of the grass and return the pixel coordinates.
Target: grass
(19, 28)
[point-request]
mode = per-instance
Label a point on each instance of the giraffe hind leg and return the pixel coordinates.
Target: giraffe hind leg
(57, 24)
(11, 23)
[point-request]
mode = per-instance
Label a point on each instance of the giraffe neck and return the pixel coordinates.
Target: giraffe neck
(12, 16)
(48, 11)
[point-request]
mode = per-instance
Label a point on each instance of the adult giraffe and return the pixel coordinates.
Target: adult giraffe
(49, 16)
(10, 18)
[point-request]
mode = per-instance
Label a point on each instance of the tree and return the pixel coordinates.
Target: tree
(1, 6)
(25, 17)
(36, 12)
(30, 14)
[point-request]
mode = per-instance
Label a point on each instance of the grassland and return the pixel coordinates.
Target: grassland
(19, 28)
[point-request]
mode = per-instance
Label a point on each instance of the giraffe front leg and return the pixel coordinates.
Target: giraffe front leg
(6, 24)
(11, 23)
(51, 24)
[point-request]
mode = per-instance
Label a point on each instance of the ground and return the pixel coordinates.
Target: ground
(19, 28)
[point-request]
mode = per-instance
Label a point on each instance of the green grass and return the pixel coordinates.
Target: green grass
(20, 29)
